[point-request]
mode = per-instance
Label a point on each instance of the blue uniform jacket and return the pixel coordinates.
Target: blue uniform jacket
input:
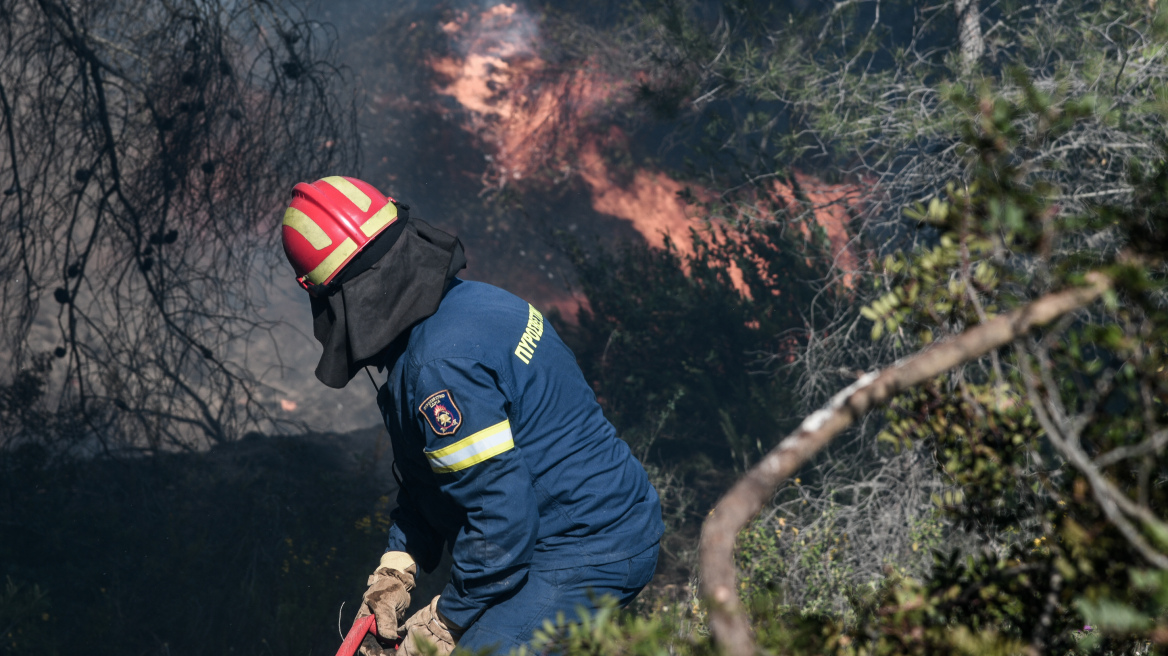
(504, 453)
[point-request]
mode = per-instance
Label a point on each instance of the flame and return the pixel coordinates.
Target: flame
(494, 53)
(529, 115)
(831, 205)
(652, 202)
(539, 126)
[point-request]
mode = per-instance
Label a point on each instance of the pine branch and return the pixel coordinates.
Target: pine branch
(734, 511)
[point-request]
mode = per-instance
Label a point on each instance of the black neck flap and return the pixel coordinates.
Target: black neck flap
(364, 312)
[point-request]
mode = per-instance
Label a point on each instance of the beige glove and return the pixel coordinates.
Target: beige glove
(428, 625)
(388, 597)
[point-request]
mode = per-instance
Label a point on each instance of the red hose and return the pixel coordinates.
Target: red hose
(367, 624)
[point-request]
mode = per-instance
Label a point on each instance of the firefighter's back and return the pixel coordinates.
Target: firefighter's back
(596, 504)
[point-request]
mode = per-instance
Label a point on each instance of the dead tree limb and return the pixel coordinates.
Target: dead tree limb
(969, 36)
(728, 622)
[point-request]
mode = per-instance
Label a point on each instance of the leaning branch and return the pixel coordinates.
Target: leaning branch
(729, 624)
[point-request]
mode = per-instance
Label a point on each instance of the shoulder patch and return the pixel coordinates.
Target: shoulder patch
(441, 413)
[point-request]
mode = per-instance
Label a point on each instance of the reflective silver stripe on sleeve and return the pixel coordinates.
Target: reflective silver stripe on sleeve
(468, 451)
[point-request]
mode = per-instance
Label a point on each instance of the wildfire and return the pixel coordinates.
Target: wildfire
(652, 201)
(540, 124)
(830, 205)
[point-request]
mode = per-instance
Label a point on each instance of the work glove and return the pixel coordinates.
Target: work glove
(429, 625)
(387, 598)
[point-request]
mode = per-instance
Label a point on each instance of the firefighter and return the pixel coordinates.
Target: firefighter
(502, 453)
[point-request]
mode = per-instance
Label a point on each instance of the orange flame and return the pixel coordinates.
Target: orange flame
(831, 206)
(528, 114)
(652, 202)
(539, 124)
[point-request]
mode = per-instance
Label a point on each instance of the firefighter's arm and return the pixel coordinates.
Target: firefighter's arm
(471, 451)
(409, 532)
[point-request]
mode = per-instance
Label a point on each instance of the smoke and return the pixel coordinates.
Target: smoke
(501, 31)
(462, 108)
(541, 125)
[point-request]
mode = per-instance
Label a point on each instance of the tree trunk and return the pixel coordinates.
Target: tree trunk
(969, 33)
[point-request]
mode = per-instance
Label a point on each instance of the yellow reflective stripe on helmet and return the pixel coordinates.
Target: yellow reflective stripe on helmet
(350, 190)
(300, 222)
(382, 218)
(472, 450)
(331, 263)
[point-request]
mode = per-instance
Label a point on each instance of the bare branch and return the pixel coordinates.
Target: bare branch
(1148, 446)
(969, 32)
(145, 149)
(745, 500)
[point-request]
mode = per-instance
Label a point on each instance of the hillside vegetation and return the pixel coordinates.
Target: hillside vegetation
(1009, 164)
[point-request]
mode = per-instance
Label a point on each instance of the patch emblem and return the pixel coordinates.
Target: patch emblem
(441, 412)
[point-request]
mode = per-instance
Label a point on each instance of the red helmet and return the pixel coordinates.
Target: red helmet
(328, 222)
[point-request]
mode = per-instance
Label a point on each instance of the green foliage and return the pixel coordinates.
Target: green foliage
(768, 550)
(608, 631)
(762, 71)
(1052, 450)
(1063, 561)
